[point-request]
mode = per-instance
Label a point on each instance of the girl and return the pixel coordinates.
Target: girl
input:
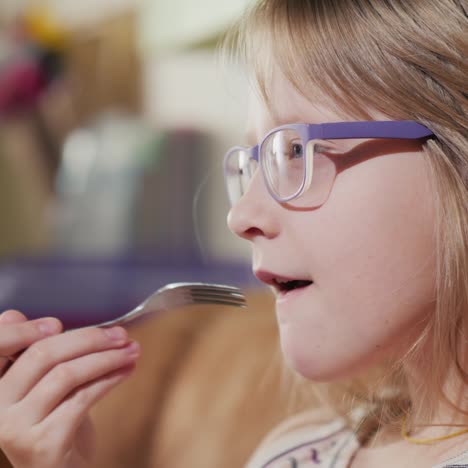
(353, 193)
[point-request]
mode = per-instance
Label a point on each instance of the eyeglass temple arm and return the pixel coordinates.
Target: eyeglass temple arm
(374, 129)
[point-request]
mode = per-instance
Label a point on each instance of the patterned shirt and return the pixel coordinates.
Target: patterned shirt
(332, 445)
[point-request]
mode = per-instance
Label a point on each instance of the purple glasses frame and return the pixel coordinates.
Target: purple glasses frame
(393, 129)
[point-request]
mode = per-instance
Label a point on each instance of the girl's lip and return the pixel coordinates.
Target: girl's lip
(271, 278)
(284, 295)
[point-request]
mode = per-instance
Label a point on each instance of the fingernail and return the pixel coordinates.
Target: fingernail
(48, 326)
(133, 349)
(116, 333)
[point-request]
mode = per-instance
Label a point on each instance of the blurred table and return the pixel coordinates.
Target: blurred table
(85, 290)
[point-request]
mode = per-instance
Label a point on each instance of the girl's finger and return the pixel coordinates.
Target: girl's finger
(65, 378)
(8, 317)
(12, 316)
(65, 420)
(44, 355)
(20, 334)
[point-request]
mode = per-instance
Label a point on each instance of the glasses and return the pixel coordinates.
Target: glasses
(297, 160)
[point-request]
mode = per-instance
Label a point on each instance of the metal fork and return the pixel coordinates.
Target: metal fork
(172, 296)
(176, 295)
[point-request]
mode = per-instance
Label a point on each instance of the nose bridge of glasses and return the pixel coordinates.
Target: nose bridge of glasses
(254, 152)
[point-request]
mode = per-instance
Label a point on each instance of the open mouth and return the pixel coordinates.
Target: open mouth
(282, 284)
(286, 286)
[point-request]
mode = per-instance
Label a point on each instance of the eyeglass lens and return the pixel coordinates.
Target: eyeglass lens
(288, 165)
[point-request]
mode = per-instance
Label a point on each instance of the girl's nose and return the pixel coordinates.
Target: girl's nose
(255, 214)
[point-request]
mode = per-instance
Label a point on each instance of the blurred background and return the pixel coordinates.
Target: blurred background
(114, 119)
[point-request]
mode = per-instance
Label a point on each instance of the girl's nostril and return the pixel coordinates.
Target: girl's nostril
(253, 231)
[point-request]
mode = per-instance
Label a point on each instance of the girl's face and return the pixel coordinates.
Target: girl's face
(369, 249)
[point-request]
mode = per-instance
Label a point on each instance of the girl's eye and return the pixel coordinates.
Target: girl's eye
(295, 151)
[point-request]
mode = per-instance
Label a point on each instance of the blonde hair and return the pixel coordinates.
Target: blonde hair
(407, 60)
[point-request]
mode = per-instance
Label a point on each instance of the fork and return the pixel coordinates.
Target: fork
(171, 296)
(176, 295)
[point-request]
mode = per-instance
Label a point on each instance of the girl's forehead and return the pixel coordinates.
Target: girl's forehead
(278, 101)
(283, 104)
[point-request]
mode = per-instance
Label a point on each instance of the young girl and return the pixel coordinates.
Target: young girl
(353, 193)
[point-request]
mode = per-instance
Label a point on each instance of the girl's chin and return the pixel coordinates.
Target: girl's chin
(320, 374)
(318, 365)
(291, 305)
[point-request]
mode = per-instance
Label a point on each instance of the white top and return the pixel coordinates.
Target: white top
(331, 445)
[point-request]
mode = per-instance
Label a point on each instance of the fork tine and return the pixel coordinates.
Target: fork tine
(217, 294)
(216, 288)
(219, 290)
(213, 286)
(219, 302)
(210, 295)
(207, 300)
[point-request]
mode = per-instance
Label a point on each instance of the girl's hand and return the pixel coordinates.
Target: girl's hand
(45, 395)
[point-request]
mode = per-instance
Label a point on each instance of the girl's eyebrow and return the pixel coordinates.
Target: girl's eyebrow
(288, 119)
(251, 138)
(294, 119)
